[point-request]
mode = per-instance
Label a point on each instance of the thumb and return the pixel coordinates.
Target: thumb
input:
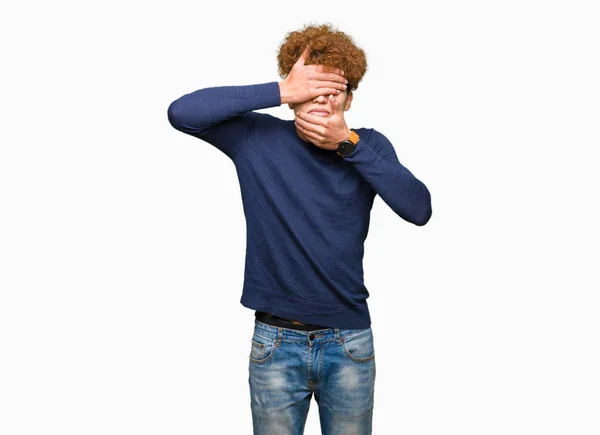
(338, 108)
(303, 56)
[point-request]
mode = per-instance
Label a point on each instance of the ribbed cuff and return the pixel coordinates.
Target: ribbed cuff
(362, 153)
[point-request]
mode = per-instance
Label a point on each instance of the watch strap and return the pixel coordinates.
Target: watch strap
(348, 145)
(353, 137)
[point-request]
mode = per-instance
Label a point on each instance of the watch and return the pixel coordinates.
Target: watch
(347, 146)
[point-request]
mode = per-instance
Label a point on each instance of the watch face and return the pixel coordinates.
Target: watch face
(345, 147)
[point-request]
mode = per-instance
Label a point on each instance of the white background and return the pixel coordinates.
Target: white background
(122, 240)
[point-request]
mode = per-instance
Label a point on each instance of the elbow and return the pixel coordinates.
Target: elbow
(189, 113)
(188, 117)
(426, 210)
(423, 217)
(175, 115)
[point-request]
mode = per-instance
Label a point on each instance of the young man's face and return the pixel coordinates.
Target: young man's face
(321, 106)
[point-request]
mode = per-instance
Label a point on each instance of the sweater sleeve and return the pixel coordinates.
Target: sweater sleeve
(221, 115)
(375, 159)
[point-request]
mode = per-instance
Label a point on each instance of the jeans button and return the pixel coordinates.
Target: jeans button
(311, 337)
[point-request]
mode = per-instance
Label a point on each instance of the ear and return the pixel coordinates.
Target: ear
(349, 101)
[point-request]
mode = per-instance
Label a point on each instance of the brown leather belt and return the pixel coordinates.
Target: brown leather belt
(272, 320)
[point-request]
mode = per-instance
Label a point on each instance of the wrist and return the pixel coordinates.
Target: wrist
(283, 92)
(347, 135)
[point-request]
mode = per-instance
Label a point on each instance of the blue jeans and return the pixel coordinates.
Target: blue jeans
(287, 366)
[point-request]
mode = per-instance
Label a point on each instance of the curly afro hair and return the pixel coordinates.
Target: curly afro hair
(328, 46)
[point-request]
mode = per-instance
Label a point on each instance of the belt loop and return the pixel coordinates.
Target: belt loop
(279, 336)
(337, 336)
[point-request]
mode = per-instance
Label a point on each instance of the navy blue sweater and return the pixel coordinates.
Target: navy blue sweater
(307, 209)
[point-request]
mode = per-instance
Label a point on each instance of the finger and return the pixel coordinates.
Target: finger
(335, 104)
(338, 107)
(306, 122)
(311, 120)
(303, 56)
(332, 77)
(331, 85)
(309, 134)
(326, 92)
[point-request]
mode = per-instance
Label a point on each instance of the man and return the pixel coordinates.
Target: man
(307, 187)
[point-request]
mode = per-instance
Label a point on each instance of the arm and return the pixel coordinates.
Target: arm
(221, 115)
(375, 159)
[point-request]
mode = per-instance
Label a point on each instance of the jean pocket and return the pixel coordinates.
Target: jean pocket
(360, 347)
(262, 348)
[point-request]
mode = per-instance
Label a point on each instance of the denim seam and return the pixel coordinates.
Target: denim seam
(354, 358)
